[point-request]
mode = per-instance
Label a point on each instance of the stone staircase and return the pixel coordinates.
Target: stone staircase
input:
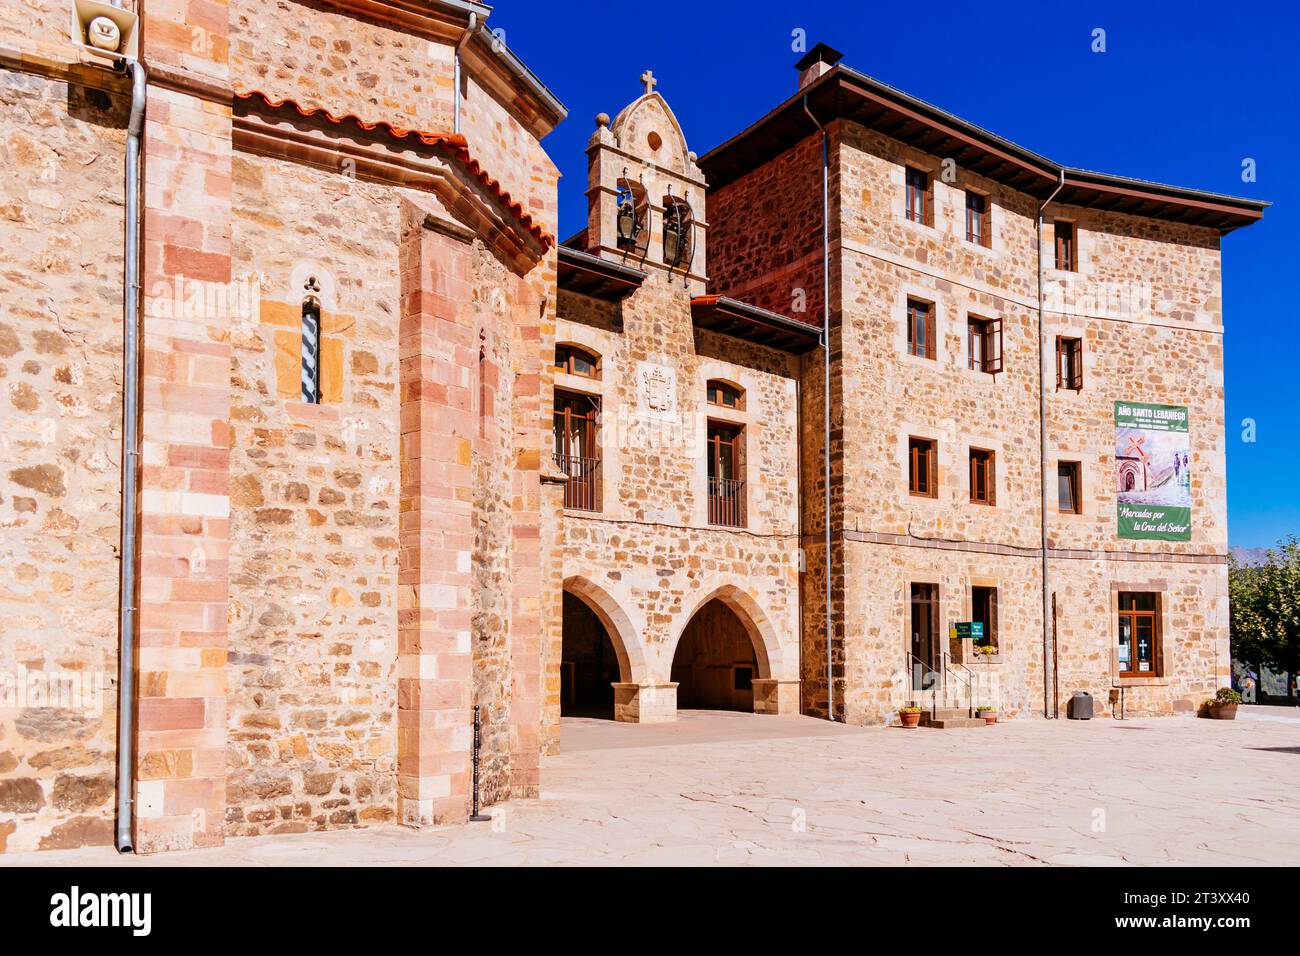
(947, 718)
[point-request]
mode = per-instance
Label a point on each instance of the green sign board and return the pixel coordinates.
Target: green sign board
(1152, 472)
(965, 629)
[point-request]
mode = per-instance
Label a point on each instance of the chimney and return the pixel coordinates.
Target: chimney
(815, 62)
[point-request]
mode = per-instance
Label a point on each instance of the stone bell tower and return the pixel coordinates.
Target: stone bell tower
(645, 195)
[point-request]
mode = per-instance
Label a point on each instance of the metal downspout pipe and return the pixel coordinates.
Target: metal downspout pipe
(826, 402)
(130, 464)
(460, 45)
(1048, 680)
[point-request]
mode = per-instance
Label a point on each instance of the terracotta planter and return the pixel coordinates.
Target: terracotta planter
(910, 720)
(990, 717)
(1223, 711)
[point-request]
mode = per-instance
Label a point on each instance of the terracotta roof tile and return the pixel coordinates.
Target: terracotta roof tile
(454, 143)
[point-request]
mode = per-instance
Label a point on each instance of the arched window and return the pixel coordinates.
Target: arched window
(311, 350)
(725, 394)
(576, 361)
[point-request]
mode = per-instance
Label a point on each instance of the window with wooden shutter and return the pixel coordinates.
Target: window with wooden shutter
(919, 207)
(577, 453)
(982, 477)
(984, 344)
(977, 218)
(920, 329)
(1066, 257)
(922, 477)
(1069, 363)
(726, 475)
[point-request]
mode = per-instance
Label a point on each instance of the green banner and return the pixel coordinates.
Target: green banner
(1153, 480)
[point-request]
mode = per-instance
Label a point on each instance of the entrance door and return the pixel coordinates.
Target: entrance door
(925, 636)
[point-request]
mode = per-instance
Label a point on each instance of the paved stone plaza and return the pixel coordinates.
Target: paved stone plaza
(718, 788)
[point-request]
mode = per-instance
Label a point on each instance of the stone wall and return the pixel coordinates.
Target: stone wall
(311, 735)
(1146, 302)
(322, 57)
(650, 559)
(61, 211)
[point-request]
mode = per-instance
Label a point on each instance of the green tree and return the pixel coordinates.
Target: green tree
(1264, 604)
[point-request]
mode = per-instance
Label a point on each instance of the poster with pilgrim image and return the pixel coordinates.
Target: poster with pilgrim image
(1153, 480)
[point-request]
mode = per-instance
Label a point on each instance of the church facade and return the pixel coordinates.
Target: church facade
(405, 460)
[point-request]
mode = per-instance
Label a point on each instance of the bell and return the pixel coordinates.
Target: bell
(626, 221)
(670, 248)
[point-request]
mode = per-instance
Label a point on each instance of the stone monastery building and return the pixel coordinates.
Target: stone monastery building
(390, 452)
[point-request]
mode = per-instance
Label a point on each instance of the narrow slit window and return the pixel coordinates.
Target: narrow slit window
(918, 196)
(1066, 253)
(311, 351)
(977, 218)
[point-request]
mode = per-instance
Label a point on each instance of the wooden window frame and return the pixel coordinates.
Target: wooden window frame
(564, 355)
(917, 446)
(988, 332)
(923, 211)
(989, 466)
(921, 314)
(1069, 350)
(984, 220)
(584, 489)
(1153, 617)
(726, 493)
(990, 617)
(1067, 246)
(723, 388)
(1074, 472)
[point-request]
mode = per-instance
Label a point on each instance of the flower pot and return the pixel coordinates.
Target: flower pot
(1223, 711)
(990, 716)
(909, 719)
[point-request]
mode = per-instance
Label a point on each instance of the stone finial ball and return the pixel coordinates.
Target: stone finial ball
(602, 119)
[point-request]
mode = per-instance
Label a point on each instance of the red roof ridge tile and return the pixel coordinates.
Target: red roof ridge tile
(455, 143)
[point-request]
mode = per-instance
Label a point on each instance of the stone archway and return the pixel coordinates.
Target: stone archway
(727, 656)
(601, 661)
(715, 663)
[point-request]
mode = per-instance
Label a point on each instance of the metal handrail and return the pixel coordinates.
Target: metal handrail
(934, 690)
(970, 683)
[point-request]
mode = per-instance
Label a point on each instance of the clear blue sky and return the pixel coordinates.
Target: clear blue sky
(1178, 97)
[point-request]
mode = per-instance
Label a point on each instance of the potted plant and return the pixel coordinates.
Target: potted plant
(909, 716)
(988, 712)
(1224, 704)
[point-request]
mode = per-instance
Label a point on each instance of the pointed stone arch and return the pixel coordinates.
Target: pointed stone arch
(623, 633)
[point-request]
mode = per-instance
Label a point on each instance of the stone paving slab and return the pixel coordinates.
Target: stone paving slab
(740, 789)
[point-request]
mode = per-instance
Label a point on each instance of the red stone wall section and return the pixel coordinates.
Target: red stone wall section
(185, 449)
(438, 355)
